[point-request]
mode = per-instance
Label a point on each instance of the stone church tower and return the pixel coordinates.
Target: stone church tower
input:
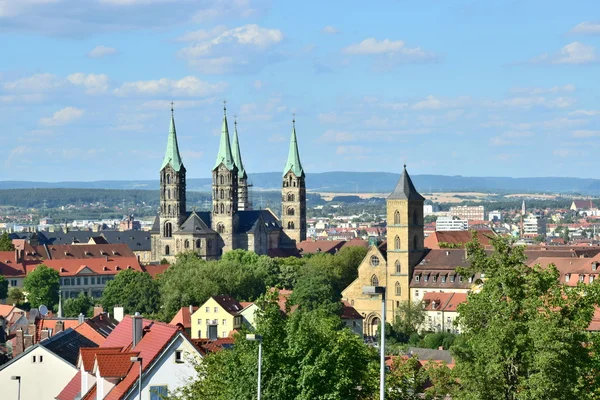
(293, 192)
(405, 238)
(172, 193)
(225, 190)
(243, 202)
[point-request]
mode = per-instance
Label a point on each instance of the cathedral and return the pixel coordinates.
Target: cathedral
(231, 224)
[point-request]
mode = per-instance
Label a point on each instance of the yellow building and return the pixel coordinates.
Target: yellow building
(391, 264)
(216, 318)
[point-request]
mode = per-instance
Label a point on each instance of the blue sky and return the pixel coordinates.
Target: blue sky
(454, 87)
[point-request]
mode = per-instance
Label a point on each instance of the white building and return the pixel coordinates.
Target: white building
(468, 212)
(429, 209)
(534, 225)
(451, 224)
(495, 216)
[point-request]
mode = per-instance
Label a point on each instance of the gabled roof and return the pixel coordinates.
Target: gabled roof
(113, 365)
(248, 220)
(349, 312)
(87, 356)
(229, 304)
(195, 224)
(172, 155)
(98, 266)
(583, 204)
(293, 161)
(405, 190)
(237, 154)
(184, 317)
(155, 270)
(81, 251)
(457, 238)
(224, 155)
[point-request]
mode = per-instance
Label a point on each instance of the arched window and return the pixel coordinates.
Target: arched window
(169, 209)
(168, 229)
(285, 184)
(398, 289)
(415, 243)
(168, 179)
(415, 218)
(398, 267)
(222, 209)
(397, 243)
(294, 183)
(220, 228)
(374, 261)
(186, 244)
(167, 250)
(198, 243)
(222, 179)
(374, 280)
(397, 218)
(290, 197)
(290, 211)
(291, 225)
(222, 194)
(168, 194)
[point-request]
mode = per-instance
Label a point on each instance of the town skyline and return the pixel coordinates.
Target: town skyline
(519, 94)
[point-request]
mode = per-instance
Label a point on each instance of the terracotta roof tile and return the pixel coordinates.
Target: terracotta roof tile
(87, 356)
(155, 270)
(349, 312)
(113, 365)
(71, 390)
(457, 238)
(184, 317)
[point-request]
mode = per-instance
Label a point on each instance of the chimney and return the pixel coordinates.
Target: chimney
(137, 329)
(27, 341)
(44, 334)
(20, 344)
(98, 310)
(118, 313)
(59, 327)
(17, 256)
(81, 318)
(191, 309)
(60, 310)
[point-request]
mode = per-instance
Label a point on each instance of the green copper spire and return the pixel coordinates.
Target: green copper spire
(293, 162)
(237, 154)
(225, 155)
(172, 155)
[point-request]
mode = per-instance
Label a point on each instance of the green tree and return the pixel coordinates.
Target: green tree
(3, 287)
(524, 331)
(437, 340)
(305, 357)
(81, 304)
(565, 235)
(42, 286)
(313, 291)
(133, 290)
(6, 243)
(15, 296)
(410, 315)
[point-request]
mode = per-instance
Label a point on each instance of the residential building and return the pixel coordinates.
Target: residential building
(495, 216)
(352, 318)
(44, 368)
(217, 318)
(391, 264)
(451, 224)
(128, 223)
(248, 314)
(231, 224)
(456, 239)
(441, 311)
(534, 225)
(183, 318)
(468, 212)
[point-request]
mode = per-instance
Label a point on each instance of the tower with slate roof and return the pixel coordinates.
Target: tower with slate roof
(293, 194)
(242, 181)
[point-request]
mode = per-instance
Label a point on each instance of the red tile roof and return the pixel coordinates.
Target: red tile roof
(349, 312)
(6, 309)
(213, 346)
(583, 204)
(87, 356)
(457, 238)
(86, 330)
(113, 365)
(84, 251)
(184, 317)
(155, 270)
(72, 389)
(98, 266)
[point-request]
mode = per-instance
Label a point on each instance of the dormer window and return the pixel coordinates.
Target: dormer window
(581, 277)
(567, 277)
(594, 265)
(426, 277)
(443, 278)
(435, 278)
(452, 277)
(592, 278)
(470, 279)
(417, 278)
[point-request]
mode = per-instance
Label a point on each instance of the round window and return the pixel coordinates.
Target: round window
(374, 261)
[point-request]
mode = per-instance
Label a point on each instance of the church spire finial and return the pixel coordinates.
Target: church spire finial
(172, 155)
(225, 108)
(171, 109)
(293, 162)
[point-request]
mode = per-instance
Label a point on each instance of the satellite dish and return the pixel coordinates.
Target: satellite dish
(43, 310)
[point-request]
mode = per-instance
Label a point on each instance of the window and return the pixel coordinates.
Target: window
(397, 217)
(168, 178)
(33, 359)
(222, 179)
(594, 266)
(167, 250)
(425, 278)
(374, 261)
(398, 289)
(13, 282)
(186, 244)
(397, 304)
(374, 280)
(93, 280)
(417, 278)
(208, 309)
(198, 244)
(435, 278)
(216, 309)
(567, 277)
(470, 279)
(351, 302)
(224, 322)
(397, 243)
(416, 293)
(85, 281)
(415, 243)
(591, 278)
(290, 225)
(41, 359)
(178, 356)
(224, 334)
(452, 278)
(168, 229)
(398, 267)
(222, 194)
(221, 227)
(290, 197)
(199, 321)
(158, 392)
(443, 278)
(222, 209)
(460, 278)
(581, 277)
(290, 211)
(78, 281)
(67, 282)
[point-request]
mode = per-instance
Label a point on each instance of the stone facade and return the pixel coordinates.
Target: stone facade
(231, 224)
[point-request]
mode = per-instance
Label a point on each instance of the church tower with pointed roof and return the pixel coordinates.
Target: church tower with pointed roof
(405, 237)
(224, 190)
(293, 192)
(243, 202)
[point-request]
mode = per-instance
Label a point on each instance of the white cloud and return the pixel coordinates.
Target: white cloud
(202, 34)
(93, 83)
(330, 30)
(587, 28)
(62, 117)
(534, 91)
(529, 102)
(188, 86)
(434, 103)
(585, 133)
(101, 51)
(499, 141)
(395, 52)
(336, 136)
(575, 53)
(18, 153)
(587, 113)
(244, 48)
(223, 8)
(35, 83)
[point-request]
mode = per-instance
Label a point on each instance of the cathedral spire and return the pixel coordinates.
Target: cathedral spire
(224, 156)
(405, 189)
(293, 162)
(237, 154)
(172, 155)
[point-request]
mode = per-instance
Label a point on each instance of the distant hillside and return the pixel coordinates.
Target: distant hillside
(352, 182)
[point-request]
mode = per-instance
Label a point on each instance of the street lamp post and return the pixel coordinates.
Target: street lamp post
(258, 338)
(18, 379)
(138, 359)
(374, 291)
